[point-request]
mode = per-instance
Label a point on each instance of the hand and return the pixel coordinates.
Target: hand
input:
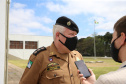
(89, 80)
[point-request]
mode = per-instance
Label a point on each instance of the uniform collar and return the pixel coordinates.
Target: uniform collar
(73, 53)
(123, 64)
(54, 52)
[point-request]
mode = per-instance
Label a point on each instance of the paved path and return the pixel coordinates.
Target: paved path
(14, 74)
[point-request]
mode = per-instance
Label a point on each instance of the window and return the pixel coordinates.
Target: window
(16, 44)
(30, 45)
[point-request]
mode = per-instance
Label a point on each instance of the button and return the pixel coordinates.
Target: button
(71, 75)
(54, 75)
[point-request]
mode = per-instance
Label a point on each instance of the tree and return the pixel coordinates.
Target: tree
(86, 45)
(99, 45)
(107, 42)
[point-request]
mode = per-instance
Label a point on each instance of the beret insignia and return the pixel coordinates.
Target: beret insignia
(39, 50)
(69, 23)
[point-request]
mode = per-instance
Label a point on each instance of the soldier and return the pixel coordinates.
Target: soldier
(55, 64)
(118, 50)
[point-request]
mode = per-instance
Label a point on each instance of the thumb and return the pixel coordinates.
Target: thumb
(91, 71)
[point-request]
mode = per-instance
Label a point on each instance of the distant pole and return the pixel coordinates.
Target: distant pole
(4, 21)
(94, 42)
(7, 41)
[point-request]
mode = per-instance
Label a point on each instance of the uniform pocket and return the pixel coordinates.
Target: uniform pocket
(55, 76)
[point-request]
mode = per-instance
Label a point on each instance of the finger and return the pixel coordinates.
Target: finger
(82, 79)
(91, 71)
(78, 71)
(80, 75)
(84, 82)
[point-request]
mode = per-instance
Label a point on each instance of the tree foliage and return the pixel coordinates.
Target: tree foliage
(86, 45)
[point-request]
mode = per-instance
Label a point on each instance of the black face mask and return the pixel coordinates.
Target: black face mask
(114, 51)
(70, 42)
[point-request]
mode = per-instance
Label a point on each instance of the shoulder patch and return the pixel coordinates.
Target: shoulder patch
(39, 50)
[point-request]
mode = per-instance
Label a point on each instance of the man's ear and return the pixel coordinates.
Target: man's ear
(57, 34)
(123, 37)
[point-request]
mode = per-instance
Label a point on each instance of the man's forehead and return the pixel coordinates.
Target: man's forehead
(115, 32)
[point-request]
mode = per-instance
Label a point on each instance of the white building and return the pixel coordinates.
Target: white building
(23, 46)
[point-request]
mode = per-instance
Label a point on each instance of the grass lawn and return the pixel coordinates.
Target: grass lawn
(19, 63)
(98, 68)
(102, 68)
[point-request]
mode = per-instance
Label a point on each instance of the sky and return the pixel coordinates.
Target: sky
(37, 17)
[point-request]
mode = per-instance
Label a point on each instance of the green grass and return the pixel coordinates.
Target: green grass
(102, 68)
(19, 63)
(98, 68)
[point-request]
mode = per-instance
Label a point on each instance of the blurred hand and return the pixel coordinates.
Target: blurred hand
(89, 80)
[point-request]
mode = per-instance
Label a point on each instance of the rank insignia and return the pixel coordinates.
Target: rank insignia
(52, 64)
(51, 53)
(69, 23)
(39, 50)
(50, 59)
(53, 68)
(29, 64)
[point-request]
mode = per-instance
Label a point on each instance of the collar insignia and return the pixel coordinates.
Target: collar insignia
(50, 59)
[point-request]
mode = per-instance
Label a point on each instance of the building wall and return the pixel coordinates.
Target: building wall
(25, 53)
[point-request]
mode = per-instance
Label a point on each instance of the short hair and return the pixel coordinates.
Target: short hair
(120, 25)
(57, 28)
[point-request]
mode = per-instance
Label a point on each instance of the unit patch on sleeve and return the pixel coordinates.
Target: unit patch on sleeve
(29, 64)
(39, 50)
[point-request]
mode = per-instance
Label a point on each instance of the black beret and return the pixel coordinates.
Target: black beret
(68, 23)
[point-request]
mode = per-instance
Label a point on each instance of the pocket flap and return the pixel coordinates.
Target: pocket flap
(54, 74)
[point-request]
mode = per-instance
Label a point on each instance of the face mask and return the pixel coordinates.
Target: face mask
(70, 42)
(114, 51)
